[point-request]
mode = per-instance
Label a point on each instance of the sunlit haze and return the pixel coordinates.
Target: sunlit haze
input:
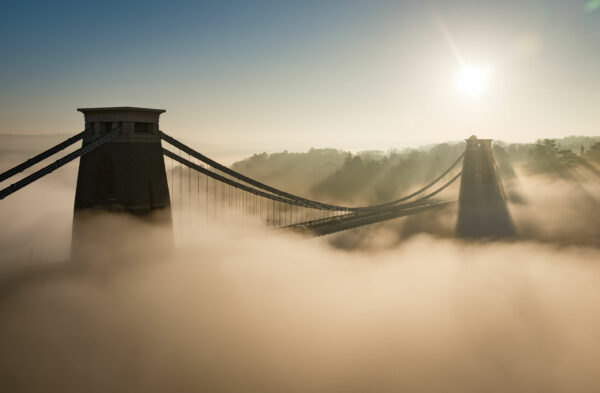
(266, 75)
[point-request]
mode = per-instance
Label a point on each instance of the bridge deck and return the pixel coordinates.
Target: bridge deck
(326, 226)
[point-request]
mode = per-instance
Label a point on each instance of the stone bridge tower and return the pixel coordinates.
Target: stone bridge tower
(482, 210)
(125, 175)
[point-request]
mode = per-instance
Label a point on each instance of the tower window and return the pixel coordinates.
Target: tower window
(105, 127)
(143, 128)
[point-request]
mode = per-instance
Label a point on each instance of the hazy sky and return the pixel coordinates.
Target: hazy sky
(291, 75)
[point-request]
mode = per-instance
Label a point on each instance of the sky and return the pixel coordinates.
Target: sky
(283, 75)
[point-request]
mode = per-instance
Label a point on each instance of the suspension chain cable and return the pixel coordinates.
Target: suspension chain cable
(59, 163)
(304, 201)
(42, 156)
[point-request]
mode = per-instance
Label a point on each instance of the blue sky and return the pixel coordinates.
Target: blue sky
(291, 75)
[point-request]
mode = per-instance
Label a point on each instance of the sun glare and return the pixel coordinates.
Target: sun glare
(472, 80)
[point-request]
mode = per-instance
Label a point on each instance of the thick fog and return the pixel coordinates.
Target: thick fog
(400, 306)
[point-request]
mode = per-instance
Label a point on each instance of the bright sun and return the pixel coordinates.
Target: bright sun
(472, 80)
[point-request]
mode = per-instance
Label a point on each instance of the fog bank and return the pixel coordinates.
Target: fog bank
(276, 313)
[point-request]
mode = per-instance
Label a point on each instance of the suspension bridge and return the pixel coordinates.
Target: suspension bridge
(127, 164)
